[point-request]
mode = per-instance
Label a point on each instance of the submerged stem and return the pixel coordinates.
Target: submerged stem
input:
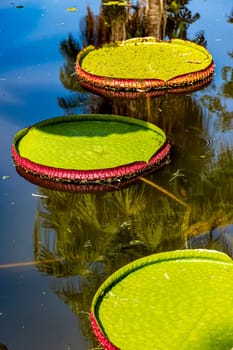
(169, 194)
(185, 224)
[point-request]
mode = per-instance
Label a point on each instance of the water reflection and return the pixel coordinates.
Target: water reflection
(80, 239)
(83, 227)
(86, 229)
(179, 20)
(216, 101)
(119, 20)
(149, 221)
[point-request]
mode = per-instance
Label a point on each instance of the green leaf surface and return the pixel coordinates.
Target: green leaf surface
(175, 300)
(149, 59)
(89, 142)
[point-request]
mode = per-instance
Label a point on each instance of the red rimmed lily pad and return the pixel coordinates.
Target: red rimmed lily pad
(91, 151)
(145, 65)
(174, 300)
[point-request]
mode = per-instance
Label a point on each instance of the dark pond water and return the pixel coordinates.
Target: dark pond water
(79, 239)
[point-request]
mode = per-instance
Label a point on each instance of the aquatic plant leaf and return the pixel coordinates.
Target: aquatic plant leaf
(116, 2)
(144, 61)
(82, 148)
(169, 300)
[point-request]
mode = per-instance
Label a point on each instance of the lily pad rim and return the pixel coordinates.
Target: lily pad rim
(186, 254)
(65, 174)
(146, 41)
(193, 255)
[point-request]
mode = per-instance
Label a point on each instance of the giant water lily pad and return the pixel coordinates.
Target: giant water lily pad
(173, 300)
(89, 149)
(145, 64)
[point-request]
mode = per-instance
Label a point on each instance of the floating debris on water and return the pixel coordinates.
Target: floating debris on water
(72, 9)
(39, 195)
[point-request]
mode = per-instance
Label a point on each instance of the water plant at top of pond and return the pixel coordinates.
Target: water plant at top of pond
(144, 64)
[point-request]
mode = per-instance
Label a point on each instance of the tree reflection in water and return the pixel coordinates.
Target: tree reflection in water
(82, 238)
(89, 236)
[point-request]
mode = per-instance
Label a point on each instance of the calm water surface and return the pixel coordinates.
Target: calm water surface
(80, 239)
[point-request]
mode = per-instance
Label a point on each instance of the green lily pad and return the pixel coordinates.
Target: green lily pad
(89, 147)
(90, 144)
(173, 300)
(152, 64)
(115, 3)
(161, 60)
